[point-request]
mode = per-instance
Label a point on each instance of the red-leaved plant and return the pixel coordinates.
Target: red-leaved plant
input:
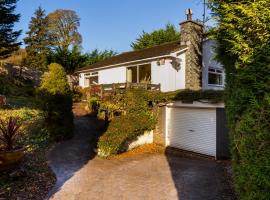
(9, 131)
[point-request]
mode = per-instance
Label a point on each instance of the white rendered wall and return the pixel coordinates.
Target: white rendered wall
(169, 78)
(113, 75)
(81, 80)
(209, 61)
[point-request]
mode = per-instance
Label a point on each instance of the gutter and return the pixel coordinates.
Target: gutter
(130, 62)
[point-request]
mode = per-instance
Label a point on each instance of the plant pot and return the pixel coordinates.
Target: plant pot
(11, 159)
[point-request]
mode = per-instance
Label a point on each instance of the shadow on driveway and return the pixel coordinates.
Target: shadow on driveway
(198, 178)
(68, 157)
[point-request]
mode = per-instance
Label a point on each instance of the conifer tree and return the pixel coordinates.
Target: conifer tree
(157, 37)
(8, 37)
(37, 41)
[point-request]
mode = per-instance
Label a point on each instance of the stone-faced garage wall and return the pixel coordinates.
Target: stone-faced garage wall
(159, 131)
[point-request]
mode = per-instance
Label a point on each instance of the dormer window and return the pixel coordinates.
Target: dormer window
(215, 77)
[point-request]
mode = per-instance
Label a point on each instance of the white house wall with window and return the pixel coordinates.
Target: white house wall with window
(213, 74)
(172, 65)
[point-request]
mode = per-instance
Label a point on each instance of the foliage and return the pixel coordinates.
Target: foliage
(94, 103)
(213, 96)
(37, 41)
(137, 100)
(3, 86)
(16, 58)
(124, 129)
(63, 29)
(97, 56)
(56, 100)
(9, 131)
(69, 59)
(243, 35)
(35, 178)
(17, 86)
(157, 37)
(8, 37)
(134, 115)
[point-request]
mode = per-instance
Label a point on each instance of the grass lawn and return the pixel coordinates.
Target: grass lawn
(33, 179)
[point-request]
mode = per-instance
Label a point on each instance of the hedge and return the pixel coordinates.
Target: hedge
(213, 96)
(122, 130)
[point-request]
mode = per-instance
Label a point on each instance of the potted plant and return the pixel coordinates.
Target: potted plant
(10, 154)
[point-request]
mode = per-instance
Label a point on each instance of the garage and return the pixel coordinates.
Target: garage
(197, 127)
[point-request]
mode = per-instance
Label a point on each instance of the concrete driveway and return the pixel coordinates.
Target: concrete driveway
(152, 177)
(147, 177)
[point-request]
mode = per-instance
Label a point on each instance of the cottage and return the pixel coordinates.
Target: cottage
(184, 64)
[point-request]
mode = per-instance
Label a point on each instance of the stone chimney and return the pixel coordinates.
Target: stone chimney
(191, 35)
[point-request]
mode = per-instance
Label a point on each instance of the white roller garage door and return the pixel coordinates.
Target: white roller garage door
(192, 129)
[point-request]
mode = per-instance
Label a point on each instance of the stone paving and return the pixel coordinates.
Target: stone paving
(81, 176)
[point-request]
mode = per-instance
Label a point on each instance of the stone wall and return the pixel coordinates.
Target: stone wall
(159, 131)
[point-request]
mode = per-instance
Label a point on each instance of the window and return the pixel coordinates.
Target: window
(215, 77)
(139, 74)
(91, 79)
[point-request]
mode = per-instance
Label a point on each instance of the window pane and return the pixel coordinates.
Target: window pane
(94, 80)
(145, 73)
(215, 79)
(132, 74)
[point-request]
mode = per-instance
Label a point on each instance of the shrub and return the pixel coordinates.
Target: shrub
(213, 96)
(124, 129)
(55, 99)
(3, 87)
(94, 103)
(244, 49)
(9, 132)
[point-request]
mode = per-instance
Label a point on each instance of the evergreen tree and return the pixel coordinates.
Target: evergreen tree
(37, 41)
(158, 37)
(243, 36)
(8, 37)
(96, 56)
(69, 59)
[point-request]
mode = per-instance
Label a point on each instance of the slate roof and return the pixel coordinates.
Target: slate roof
(156, 51)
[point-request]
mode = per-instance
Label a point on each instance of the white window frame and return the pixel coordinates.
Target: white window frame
(91, 74)
(138, 68)
(216, 71)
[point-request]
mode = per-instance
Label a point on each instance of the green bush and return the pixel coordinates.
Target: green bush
(94, 103)
(55, 98)
(213, 96)
(124, 129)
(131, 114)
(133, 101)
(244, 49)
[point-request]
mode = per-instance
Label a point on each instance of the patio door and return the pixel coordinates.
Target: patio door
(139, 74)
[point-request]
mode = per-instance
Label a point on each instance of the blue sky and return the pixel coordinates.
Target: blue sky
(113, 24)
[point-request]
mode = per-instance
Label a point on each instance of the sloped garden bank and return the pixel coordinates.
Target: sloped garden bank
(131, 114)
(33, 178)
